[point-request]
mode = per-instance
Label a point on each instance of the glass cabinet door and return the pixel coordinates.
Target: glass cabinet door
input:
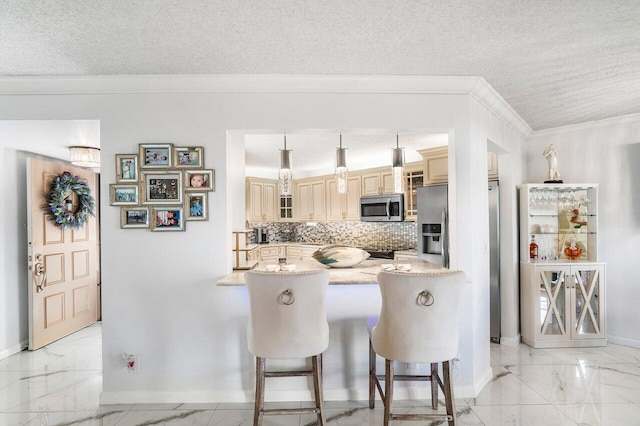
(553, 302)
(586, 310)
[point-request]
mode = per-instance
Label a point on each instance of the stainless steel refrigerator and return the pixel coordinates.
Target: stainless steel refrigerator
(494, 262)
(433, 240)
(433, 236)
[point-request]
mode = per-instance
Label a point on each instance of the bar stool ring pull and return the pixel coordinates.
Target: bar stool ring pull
(425, 298)
(286, 297)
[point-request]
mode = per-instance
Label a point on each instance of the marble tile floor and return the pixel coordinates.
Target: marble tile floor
(61, 383)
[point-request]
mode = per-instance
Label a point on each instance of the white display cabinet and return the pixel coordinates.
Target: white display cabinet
(563, 288)
(557, 215)
(563, 304)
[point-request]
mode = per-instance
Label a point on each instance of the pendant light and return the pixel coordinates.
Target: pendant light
(285, 169)
(397, 167)
(341, 168)
(85, 156)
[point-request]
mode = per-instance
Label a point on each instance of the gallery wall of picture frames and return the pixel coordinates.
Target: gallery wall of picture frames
(162, 187)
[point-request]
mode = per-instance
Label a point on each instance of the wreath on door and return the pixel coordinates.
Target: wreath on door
(60, 206)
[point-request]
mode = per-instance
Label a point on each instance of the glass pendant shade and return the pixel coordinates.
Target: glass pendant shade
(341, 168)
(85, 156)
(285, 170)
(397, 167)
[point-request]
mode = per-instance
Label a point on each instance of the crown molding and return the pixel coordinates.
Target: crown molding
(487, 96)
(226, 83)
(245, 83)
(583, 127)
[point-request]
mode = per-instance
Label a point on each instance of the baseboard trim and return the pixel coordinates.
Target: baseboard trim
(187, 397)
(623, 341)
(510, 341)
(361, 394)
(14, 349)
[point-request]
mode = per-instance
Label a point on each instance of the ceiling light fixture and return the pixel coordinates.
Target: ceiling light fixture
(285, 169)
(341, 168)
(85, 156)
(397, 167)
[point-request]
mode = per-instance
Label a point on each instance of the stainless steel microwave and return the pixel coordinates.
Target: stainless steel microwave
(382, 208)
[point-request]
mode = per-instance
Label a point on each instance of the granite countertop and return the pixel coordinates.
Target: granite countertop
(409, 252)
(362, 273)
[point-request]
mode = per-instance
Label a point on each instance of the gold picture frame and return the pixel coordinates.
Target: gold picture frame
(156, 156)
(127, 169)
(195, 206)
(165, 219)
(134, 217)
(188, 157)
(121, 194)
(199, 180)
(162, 187)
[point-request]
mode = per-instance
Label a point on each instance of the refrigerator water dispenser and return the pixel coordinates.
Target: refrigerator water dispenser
(431, 238)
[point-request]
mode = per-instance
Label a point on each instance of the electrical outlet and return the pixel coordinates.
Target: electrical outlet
(131, 362)
(355, 233)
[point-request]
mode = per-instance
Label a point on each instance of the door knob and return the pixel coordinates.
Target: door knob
(40, 273)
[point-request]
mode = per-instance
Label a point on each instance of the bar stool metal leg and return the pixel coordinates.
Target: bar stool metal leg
(317, 387)
(372, 375)
(259, 405)
(388, 391)
(434, 385)
(448, 393)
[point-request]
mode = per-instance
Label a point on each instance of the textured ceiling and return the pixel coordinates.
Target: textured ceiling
(555, 62)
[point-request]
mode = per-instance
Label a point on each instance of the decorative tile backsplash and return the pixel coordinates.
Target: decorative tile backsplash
(380, 236)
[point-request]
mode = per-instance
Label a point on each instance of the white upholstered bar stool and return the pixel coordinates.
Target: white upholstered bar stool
(288, 320)
(418, 323)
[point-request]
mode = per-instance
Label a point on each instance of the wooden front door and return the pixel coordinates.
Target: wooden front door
(63, 263)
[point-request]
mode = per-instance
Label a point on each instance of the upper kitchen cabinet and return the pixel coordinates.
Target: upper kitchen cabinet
(261, 200)
(309, 199)
(286, 208)
(414, 179)
(377, 181)
(436, 165)
(344, 206)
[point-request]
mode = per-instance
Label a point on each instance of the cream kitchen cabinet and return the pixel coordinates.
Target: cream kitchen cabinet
(300, 252)
(436, 165)
(286, 208)
(563, 304)
(309, 199)
(377, 181)
(344, 206)
(414, 179)
(261, 200)
(272, 253)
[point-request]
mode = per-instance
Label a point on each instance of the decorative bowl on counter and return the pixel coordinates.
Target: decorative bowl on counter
(340, 256)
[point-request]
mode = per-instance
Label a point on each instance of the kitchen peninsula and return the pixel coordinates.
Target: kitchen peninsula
(362, 273)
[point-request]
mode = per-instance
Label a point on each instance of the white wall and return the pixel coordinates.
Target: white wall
(606, 153)
(14, 333)
(160, 301)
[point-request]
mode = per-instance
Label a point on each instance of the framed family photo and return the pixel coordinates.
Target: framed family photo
(134, 217)
(156, 156)
(124, 194)
(188, 157)
(199, 180)
(169, 219)
(162, 187)
(196, 206)
(126, 167)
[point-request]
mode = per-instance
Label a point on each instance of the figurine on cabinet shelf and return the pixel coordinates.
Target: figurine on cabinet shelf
(551, 156)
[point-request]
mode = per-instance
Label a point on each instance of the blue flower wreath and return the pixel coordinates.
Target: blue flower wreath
(57, 201)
